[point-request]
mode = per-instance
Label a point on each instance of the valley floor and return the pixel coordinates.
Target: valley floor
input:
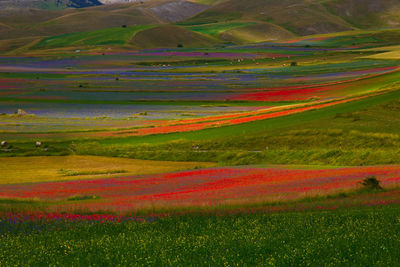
(268, 154)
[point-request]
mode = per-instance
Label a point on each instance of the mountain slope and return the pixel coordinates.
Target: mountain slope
(30, 22)
(307, 17)
(367, 13)
(256, 33)
(200, 21)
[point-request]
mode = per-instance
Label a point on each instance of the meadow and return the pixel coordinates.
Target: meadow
(61, 168)
(210, 189)
(364, 236)
(110, 36)
(232, 154)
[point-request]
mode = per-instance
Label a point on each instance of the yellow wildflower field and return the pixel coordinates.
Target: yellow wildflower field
(62, 168)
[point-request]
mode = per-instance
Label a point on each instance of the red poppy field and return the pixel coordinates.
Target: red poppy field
(199, 133)
(210, 187)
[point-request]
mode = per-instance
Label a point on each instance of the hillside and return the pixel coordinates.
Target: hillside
(307, 17)
(201, 22)
(170, 36)
(34, 22)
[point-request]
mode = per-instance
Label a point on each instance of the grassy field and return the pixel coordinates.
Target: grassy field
(247, 154)
(111, 36)
(268, 188)
(388, 52)
(168, 133)
(217, 28)
(364, 129)
(40, 169)
(363, 236)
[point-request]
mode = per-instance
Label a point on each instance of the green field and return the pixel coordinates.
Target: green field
(364, 236)
(110, 36)
(217, 28)
(200, 133)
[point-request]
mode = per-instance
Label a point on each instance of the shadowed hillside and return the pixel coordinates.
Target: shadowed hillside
(366, 13)
(31, 22)
(307, 17)
(170, 36)
(201, 22)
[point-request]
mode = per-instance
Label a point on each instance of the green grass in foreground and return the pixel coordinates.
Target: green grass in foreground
(350, 237)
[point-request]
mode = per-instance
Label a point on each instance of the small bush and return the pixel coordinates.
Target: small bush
(65, 172)
(371, 183)
(84, 197)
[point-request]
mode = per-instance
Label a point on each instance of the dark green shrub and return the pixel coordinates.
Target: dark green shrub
(371, 183)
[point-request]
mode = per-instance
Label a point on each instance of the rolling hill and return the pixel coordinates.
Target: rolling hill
(307, 17)
(192, 22)
(171, 36)
(200, 133)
